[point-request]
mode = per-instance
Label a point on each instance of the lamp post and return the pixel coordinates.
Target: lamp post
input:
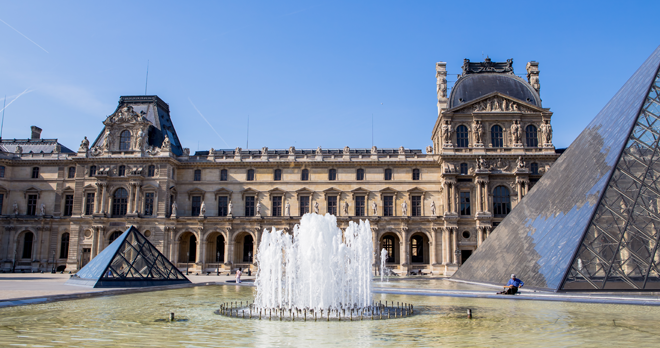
(217, 261)
(53, 268)
(187, 260)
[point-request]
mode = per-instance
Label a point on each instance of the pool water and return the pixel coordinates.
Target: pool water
(137, 320)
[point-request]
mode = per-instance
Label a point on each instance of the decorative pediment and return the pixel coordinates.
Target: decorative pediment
(496, 102)
(388, 190)
(276, 192)
(249, 192)
(360, 191)
(125, 114)
(331, 191)
(196, 192)
(304, 192)
(416, 190)
(32, 191)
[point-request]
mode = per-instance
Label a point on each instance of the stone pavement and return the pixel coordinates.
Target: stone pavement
(25, 288)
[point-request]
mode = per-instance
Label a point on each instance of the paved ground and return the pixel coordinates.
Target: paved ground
(24, 288)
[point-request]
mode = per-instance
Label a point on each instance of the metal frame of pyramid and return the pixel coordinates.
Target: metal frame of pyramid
(130, 261)
(592, 223)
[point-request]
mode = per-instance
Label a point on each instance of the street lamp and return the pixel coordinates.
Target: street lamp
(53, 268)
(217, 261)
(187, 260)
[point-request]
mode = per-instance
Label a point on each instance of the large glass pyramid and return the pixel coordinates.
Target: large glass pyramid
(130, 261)
(592, 222)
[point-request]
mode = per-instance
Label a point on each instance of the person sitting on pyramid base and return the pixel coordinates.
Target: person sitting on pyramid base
(512, 286)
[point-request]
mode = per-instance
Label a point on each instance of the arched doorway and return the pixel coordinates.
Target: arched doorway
(187, 248)
(390, 242)
(419, 248)
(247, 248)
(215, 248)
(28, 240)
(113, 236)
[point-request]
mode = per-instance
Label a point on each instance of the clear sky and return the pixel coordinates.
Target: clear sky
(308, 74)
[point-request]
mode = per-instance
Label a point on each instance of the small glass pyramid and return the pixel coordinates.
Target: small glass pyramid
(130, 261)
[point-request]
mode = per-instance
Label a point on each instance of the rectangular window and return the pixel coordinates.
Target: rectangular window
(249, 206)
(151, 171)
(388, 205)
(198, 175)
(250, 175)
(2, 171)
(89, 204)
(304, 205)
(32, 205)
(416, 202)
(332, 205)
(277, 205)
(465, 203)
(196, 205)
(359, 205)
(2, 200)
(149, 204)
(223, 202)
(223, 175)
(68, 205)
(35, 173)
(72, 172)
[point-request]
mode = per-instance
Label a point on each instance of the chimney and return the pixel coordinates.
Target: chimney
(36, 133)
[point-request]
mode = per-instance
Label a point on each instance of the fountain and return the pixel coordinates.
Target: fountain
(383, 269)
(319, 272)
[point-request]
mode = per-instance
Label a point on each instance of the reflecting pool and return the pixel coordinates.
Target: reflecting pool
(136, 320)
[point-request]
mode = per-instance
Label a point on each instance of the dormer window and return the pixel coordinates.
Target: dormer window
(125, 141)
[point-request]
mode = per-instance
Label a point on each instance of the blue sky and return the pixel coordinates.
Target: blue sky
(308, 74)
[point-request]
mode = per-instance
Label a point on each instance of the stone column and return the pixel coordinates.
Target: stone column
(130, 197)
(137, 199)
(203, 247)
(480, 236)
(454, 245)
(402, 253)
(445, 246)
(431, 254)
(97, 204)
(95, 237)
(40, 240)
(103, 197)
(175, 253)
(226, 260)
(199, 248)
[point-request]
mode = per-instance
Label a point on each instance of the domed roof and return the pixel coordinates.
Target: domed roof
(472, 86)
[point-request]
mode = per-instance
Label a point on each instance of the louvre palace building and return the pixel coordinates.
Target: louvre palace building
(207, 210)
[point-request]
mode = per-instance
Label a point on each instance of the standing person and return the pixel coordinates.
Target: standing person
(238, 275)
(512, 286)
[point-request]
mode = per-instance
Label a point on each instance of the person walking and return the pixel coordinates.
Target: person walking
(238, 275)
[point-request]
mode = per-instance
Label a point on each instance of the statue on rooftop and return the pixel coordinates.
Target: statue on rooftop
(84, 144)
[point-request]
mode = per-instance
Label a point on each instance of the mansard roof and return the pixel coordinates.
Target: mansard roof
(304, 151)
(33, 145)
(481, 78)
(155, 111)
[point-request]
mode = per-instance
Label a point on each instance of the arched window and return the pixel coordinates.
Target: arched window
(501, 201)
(388, 245)
(121, 171)
(304, 175)
(220, 248)
(119, 202)
(277, 175)
(360, 174)
(250, 175)
(223, 175)
(462, 136)
(192, 249)
(332, 174)
(417, 252)
(125, 141)
(535, 168)
(532, 136)
(151, 171)
(27, 245)
(388, 174)
(64, 246)
(464, 168)
(496, 139)
(415, 174)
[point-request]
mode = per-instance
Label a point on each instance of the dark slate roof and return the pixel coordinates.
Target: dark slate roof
(306, 151)
(472, 86)
(32, 145)
(156, 111)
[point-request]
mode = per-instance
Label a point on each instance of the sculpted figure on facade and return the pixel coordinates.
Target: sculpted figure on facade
(404, 208)
(166, 146)
(345, 208)
(433, 208)
(202, 209)
(481, 163)
(264, 150)
(319, 151)
(287, 209)
(230, 207)
(316, 207)
(237, 151)
(84, 145)
(139, 141)
(446, 132)
(520, 162)
(374, 208)
(429, 149)
(42, 209)
(292, 150)
(347, 150)
(15, 208)
(478, 130)
(402, 150)
(374, 150)
(174, 209)
(19, 149)
(515, 132)
(258, 212)
(546, 129)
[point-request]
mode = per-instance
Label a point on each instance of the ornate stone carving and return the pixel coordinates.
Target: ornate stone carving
(15, 208)
(166, 145)
(316, 207)
(292, 150)
(374, 208)
(520, 162)
(404, 208)
(84, 145)
(319, 151)
(402, 150)
(429, 149)
(174, 209)
(202, 210)
(347, 150)
(186, 151)
(42, 209)
(19, 149)
(287, 209)
(495, 104)
(264, 150)
(433, 208)
(478, 130)
(230, 208)
(374, 150)
(446, 132)
(487, 66)
(546, 131)
(515, 132)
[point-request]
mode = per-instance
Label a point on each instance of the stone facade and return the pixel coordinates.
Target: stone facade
(205, 211)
